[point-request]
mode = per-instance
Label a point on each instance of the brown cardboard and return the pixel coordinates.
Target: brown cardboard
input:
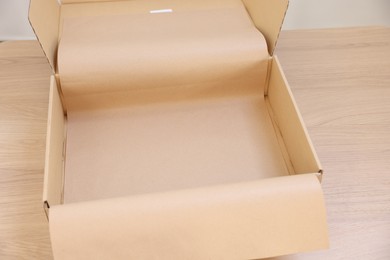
(44, 18)
(286, 117)
(211, 162)
(170, 146)
(55, 148)
(247, 220)
(212, 48)
(268, 18)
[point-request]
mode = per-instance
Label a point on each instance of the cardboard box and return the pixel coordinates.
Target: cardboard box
(173, 134)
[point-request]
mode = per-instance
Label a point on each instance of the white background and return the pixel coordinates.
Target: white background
(302, 14)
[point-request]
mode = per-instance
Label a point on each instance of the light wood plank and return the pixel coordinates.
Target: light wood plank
(24, 92)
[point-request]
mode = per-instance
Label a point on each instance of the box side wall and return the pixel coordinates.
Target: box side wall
(290, 124)
(247, 220)
(44, 19)
(54, 160)
(268, 17)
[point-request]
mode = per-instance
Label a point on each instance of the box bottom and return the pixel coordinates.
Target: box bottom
(169, 146)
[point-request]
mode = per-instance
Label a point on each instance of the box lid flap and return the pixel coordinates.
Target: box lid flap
(250, 220)
(268, 17)
(213, 47)
(44, 19)
(44, 16)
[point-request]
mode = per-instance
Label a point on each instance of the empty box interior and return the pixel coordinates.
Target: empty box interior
(175, 112)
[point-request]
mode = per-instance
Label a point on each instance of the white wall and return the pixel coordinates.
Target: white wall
(336, 13)
(301, 14)
(14, 23)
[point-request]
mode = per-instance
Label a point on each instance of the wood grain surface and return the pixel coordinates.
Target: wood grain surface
(24, 93)
(341, 81)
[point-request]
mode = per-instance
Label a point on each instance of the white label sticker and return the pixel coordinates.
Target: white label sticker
(161, 11)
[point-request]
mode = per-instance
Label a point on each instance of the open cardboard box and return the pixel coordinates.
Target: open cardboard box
(173, 134)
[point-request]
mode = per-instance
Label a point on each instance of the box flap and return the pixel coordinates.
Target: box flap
(268, 17)
(204, 48)
(44, 16)
(44, 19)
(248, 220)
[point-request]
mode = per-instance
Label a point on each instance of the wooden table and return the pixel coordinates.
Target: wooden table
(341, 81)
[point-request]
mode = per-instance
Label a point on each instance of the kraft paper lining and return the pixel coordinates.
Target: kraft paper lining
(171, 153)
